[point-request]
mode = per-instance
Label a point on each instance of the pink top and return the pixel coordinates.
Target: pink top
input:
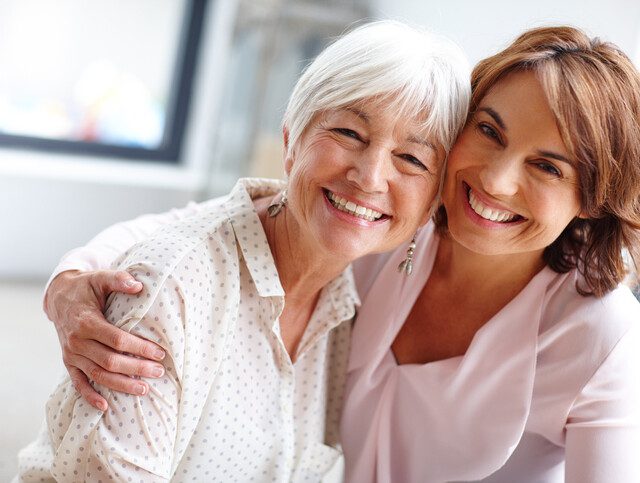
(552, 378)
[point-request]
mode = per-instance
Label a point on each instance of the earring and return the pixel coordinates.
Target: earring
(407, 264)
(276, 207)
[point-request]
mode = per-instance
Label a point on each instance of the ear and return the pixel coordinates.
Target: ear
(435, 206)
(288, 160)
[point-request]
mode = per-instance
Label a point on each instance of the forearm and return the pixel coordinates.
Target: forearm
(102, 250)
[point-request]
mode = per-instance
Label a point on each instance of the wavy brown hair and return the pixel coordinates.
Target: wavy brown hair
(593, 90)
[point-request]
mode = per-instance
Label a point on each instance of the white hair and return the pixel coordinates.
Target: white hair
(424, 76)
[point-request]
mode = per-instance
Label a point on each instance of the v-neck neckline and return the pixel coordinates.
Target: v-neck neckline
(405, 291)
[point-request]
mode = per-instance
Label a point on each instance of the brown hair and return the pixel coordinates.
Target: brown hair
(593, 90)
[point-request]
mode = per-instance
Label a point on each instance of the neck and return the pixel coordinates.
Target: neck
(303, 267)
(485, 274)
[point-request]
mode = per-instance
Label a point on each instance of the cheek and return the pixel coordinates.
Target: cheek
(555, 210)
(462, 149)
(417, 199)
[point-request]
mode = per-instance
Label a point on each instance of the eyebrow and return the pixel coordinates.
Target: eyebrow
(556, 156)
(496, 117)
(358, 113)
(411, 139)
(423, 142)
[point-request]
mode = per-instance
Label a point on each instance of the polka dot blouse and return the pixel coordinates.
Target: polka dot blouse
(231, 406)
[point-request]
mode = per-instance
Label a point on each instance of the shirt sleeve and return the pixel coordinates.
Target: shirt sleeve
(104, 248)
(603, 428)
(143, 438)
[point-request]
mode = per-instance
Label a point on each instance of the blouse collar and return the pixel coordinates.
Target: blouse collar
(340, 295)
(250, 235)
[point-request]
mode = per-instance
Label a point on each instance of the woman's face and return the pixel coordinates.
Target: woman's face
(362, 181)
(511, 186)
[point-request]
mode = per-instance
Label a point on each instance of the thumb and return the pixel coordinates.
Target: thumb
(107, 281)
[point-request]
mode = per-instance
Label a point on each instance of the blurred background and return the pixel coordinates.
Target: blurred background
(114, 108)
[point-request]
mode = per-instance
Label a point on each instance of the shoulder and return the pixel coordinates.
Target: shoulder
(579, 334)
(209, 232)
(187, 260)
(597, 322)
(203, 236)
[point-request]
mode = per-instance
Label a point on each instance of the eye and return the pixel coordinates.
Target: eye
(549, 168)
(350, 133)
(488, 131)
(413, 160)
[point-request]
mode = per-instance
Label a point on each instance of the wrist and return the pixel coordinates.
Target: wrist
(52, 287)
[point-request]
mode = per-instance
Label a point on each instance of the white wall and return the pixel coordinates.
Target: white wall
(482, 27)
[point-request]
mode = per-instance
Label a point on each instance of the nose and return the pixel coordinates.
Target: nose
(369, 170)
(501, 177)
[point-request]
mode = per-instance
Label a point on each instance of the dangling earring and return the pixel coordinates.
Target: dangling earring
(407, 264)
(276, 207)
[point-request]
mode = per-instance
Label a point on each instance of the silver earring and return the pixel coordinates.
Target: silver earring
(407, 264)
(276, 207)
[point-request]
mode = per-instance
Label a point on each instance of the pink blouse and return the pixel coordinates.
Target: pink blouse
(548, 391)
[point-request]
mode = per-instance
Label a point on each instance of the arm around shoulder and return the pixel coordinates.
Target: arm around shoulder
(102, 250)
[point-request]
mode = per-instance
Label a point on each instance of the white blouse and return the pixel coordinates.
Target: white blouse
(232, 406)
(548, 391)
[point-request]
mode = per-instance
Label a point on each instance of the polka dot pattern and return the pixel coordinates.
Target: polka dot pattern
(231, 406)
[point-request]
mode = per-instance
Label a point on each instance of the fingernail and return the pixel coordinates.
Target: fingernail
(141, 389)
(157, 371)
(101, 405)
(158, 354)
(132, 283)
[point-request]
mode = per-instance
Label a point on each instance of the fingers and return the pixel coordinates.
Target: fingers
(122, 341)
(86, 390)
(113, 361)
(107, 281)
(111, 380)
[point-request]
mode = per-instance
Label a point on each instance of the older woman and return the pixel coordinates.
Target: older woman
(511, 352)
(251, 298)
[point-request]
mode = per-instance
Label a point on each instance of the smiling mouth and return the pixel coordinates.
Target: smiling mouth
(353, 209)
(490, 214)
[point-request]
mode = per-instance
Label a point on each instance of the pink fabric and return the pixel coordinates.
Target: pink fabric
(531, 372)
(106, 246)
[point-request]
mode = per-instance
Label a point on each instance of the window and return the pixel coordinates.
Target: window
(106, 77)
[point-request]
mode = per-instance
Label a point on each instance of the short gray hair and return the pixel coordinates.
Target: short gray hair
(424, 76)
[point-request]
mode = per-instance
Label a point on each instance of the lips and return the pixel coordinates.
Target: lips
(489, 213)
(352, 208)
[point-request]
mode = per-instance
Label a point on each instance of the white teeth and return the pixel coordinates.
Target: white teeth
(489, 213)
(353, 209)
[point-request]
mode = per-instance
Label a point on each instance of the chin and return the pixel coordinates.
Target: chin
(477, 243)
(346, 248)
